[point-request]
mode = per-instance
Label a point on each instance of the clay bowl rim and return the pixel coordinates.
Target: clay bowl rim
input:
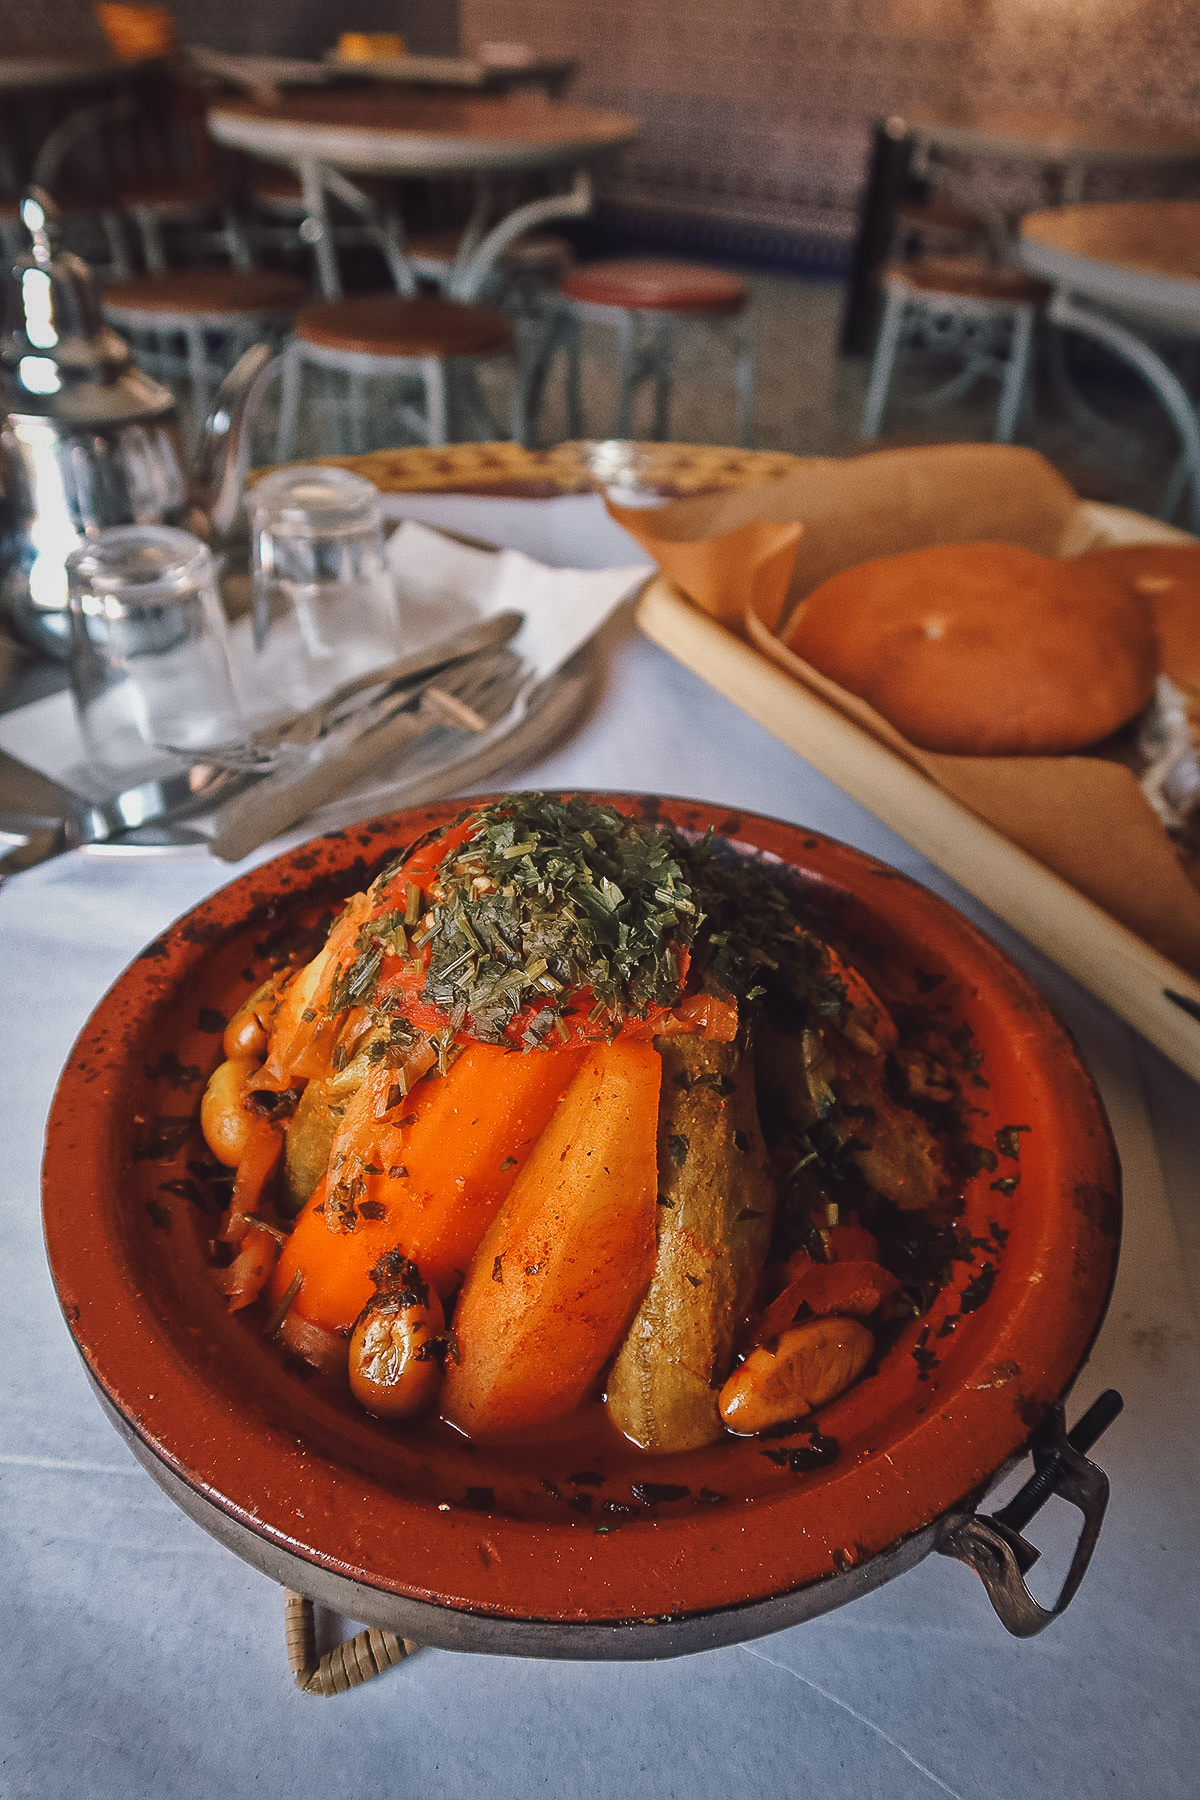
(256, 1480)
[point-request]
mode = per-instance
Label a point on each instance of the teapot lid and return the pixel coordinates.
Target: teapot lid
(58, 356)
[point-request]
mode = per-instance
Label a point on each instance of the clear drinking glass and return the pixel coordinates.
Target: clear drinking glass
(149, 657)
(325, 607)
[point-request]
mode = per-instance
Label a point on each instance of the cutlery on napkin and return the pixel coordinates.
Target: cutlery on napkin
(456, 599)
(298, 786)
(444, 584)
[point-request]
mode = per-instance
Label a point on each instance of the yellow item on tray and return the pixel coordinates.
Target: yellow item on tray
(135, 32)
(369, 46)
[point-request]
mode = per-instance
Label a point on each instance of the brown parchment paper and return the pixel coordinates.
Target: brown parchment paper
(850, 510)
(1084, 817)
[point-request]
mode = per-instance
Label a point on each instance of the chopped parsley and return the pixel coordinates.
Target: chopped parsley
(549, 916)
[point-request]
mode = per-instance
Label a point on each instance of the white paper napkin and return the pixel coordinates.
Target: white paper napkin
(443, 584)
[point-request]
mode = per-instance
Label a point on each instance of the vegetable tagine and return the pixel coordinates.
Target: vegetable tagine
(571, 1111)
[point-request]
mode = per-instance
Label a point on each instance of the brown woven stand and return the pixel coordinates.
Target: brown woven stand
(348, 1665)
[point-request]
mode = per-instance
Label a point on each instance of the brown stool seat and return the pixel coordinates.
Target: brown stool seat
(969, 277)
(391, 325)
(647, 284)
(213, 293)
(433, 246)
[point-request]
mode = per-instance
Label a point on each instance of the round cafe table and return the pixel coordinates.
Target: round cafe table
(1119, 269)
(1066, 147)
(328, 135)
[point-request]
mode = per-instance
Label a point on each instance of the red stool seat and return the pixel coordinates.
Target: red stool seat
(647, 284)
(969, 277)
(209, 293)
(390, 325)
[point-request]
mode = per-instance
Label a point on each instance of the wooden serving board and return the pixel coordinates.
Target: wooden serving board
(1151, 993)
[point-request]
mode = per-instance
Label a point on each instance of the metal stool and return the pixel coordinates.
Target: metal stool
(964, 307)
(648, 300)
(199, 321)
(423, 341)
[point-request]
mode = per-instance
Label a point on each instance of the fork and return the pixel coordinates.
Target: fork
(472, 698)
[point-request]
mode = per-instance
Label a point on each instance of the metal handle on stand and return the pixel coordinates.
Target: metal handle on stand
(993, 1545)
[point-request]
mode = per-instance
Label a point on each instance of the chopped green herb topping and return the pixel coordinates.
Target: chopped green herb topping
(550, 896)
(545, 900)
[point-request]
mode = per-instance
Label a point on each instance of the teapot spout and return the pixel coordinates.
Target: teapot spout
(218, 473)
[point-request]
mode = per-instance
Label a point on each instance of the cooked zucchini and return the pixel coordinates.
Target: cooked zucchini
(716, 1201)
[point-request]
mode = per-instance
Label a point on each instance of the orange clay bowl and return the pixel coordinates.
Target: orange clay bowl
(584, 1546)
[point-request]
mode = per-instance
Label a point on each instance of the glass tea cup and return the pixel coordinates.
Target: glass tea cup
(149, 658)
(324, 603)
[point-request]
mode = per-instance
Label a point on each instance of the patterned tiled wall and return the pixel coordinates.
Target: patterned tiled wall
(761, 113)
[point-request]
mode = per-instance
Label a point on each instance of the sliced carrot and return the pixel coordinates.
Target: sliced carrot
(335, 1263)
(850, 1289)
(433, 1173)
(463, 1154)
(563, 1267)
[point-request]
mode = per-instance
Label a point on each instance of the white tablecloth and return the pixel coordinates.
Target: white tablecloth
(143, 1660)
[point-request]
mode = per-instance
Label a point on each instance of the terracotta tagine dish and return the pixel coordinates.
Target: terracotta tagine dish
(574, 1541)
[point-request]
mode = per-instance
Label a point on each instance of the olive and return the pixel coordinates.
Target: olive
(246, 1033)
(394, 1368)
(802, 1370)
(223, 1119)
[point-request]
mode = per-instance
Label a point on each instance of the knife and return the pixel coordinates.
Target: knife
(50, 819)
(467, 698)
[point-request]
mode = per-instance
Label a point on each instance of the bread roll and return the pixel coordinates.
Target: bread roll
(1167, 578)
(984, 649)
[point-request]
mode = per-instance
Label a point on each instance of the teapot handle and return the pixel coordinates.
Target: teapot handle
(223, 452)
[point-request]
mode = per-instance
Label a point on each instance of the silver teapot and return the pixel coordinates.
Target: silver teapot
(88, 440)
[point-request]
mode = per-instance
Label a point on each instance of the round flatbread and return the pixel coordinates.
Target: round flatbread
(984, 649)
(1167, 578)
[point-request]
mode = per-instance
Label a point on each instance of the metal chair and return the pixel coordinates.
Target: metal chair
(964, 308)
(649, 302)
(976, 308)
(143, 163)
(413, 341)
(189, 326)
(431, 348)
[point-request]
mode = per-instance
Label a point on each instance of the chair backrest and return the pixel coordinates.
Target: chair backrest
(152, 133)
(959, 184)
